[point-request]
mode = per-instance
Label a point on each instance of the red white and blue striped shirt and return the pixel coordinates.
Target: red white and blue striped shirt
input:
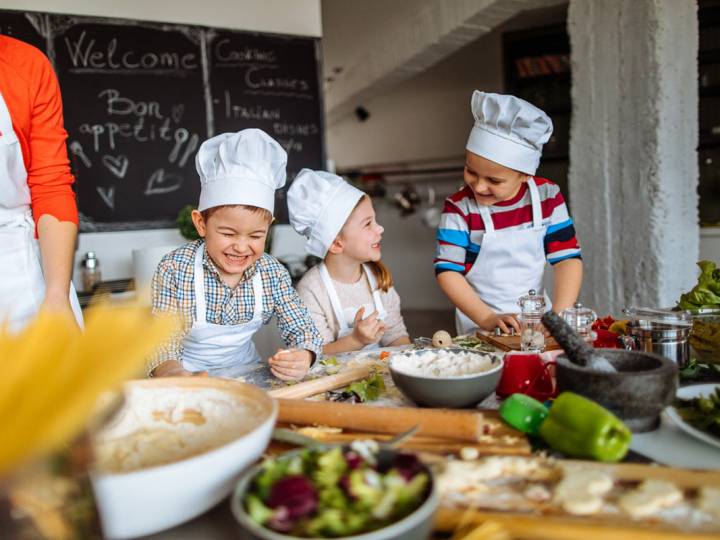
(461, 230)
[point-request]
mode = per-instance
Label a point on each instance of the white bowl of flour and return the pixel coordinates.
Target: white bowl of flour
(175, 450)
(450, 377)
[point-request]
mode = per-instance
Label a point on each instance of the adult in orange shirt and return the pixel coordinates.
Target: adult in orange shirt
(38, 214)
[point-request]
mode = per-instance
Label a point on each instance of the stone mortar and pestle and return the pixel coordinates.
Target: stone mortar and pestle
(636, 386)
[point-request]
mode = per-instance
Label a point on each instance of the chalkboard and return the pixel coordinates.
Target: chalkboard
(139, 98)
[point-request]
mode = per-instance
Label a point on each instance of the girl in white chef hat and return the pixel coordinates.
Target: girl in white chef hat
(499, 232)
(224, 286)
(350, 294)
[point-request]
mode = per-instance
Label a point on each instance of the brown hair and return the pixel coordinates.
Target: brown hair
(382, 274)
(253, 209)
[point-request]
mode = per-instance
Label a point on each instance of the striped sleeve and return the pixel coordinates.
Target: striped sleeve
(453, 240)
(560, 240)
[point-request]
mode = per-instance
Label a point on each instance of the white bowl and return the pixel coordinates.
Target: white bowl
(152, 499)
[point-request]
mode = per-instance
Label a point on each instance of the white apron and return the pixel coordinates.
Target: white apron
(220, 349)
(510, 263)
(346, 317)
(22, 286)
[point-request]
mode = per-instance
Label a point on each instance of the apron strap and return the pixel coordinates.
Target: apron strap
(334, 299)
(258, 289)
(375, 291)
(484, 212)
(536, 205)
(199, 285)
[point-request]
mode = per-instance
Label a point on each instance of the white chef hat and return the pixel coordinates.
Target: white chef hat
(319, 204)
(240, 168)
(508, 130)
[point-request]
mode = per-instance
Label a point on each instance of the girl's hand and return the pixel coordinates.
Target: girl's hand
(370, 330)
(504, 321)
(171, 368)
(290, 364)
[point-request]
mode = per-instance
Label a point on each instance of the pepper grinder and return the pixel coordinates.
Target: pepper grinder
(581, 320)
(90, 271)
(532, 307)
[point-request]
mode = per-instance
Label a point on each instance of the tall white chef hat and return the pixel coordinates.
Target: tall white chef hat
(319, 204)
(240, 168)
(508, 130)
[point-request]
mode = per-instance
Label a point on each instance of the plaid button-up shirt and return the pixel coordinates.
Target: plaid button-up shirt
(173, 292)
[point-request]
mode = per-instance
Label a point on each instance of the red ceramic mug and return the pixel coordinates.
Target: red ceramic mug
(527, 374)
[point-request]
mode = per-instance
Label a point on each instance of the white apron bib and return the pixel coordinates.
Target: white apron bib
(220, 349)
(510, 263)
(346, 317)
(22, 286)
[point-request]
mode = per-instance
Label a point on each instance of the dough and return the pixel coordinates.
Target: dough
(581, 492)
(710, 500)
(650, 497)
(441, 339)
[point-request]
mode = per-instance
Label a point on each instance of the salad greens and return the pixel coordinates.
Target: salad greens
(336, 492)
(706, 294)
(702, 412)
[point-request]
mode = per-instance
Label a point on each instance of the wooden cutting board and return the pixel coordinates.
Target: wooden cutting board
(558, 526)
(512, 343)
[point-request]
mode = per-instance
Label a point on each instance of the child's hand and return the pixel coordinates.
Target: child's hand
(369, 330)
(501, 320)
(171, 368)
(290, 364)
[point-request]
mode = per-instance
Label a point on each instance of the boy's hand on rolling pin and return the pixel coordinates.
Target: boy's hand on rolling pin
(501, 320)
(290, 364)
(171, 368)
(368, 330)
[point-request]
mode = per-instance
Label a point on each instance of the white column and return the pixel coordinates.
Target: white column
(633, 159)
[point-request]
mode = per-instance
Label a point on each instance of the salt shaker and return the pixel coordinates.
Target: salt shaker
(532, 307)
(90, 271)
(581, 320)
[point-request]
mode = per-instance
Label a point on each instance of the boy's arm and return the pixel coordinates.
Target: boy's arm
(167, 359)
(297, 328)
(568, 279)
(460, 293)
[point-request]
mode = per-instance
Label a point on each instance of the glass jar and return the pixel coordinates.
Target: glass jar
(91, 275)
(581, 320)
(532, 335)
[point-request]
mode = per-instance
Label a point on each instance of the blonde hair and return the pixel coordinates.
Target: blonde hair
(253, 209)
(382, 273)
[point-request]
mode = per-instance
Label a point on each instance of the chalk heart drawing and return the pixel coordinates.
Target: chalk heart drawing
(177, 112)
(163, 182)
(107, 195)
(116, 165)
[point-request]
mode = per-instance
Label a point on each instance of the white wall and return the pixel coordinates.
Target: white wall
(300, 17)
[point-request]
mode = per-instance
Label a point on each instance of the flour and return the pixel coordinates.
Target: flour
(157, 426)
(443, 363)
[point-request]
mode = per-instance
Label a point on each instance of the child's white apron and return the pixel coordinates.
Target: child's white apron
(346, 317)
(22, 285)
(222, 350)
(510, 263)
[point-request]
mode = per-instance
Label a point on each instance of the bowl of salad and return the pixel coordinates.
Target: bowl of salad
(359, 492)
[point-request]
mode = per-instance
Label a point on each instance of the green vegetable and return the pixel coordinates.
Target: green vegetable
(368, 389)
(185, 223)
(259, 513)
(329, 361)
(702, 412)
(706, 294)
(524, 413)
(579, 427)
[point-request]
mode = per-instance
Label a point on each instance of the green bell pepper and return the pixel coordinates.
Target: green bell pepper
(524, 413)
(579, 427)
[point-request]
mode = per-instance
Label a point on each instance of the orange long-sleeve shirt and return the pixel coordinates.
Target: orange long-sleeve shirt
(31, 92)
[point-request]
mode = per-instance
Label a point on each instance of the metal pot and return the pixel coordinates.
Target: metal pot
(668, 341)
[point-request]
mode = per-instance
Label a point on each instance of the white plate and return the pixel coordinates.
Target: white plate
(689, 392)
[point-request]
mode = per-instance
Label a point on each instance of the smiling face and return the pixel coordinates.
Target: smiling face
(491, 182)
(234, 238)
(361, 235)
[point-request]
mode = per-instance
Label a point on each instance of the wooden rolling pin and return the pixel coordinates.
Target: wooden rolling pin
(445, 423)
(321, 384)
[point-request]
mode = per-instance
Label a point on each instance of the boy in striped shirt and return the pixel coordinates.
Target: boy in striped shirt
(498, 232)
